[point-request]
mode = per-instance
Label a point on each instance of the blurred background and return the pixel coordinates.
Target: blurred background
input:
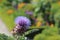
(42, 17)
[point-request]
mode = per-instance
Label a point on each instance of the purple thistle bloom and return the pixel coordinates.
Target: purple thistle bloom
(29, 12)
(23, 22)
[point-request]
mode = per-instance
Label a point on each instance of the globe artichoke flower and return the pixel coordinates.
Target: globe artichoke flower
(23, 23)
(21, 20)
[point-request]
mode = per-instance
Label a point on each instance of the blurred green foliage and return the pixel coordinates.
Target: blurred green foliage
(5, 37)
(50, 31)
(43, 37)
(48, 34)
(9, 19)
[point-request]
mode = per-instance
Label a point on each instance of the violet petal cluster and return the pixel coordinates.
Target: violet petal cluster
(23, 21)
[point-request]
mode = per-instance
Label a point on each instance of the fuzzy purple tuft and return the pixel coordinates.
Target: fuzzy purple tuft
(23, 21)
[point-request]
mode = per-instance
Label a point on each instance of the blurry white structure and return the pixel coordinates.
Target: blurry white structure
(4, 29)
